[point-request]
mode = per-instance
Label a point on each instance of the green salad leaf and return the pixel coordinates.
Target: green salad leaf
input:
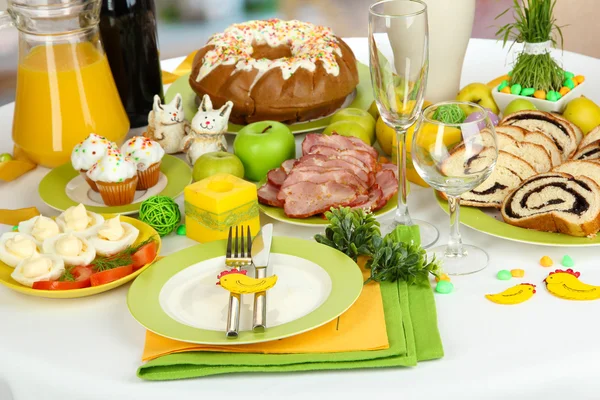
(392, 261)
(398, 256)
(350, 231)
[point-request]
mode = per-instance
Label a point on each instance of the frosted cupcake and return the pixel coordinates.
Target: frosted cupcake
(147, 156)
(116, 178)
(88, 152)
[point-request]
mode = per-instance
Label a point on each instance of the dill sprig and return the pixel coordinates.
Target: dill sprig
(67, 275)
(125, 257)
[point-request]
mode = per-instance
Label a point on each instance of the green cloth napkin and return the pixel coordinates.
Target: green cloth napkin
(411, 324)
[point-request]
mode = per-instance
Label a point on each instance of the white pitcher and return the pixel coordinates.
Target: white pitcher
(450, 26)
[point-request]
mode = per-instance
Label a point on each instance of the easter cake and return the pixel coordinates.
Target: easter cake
(286, 71)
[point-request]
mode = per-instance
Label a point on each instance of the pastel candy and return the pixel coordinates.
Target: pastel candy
(504, 275)
(444, 287)
(567, 261)
(528, 92)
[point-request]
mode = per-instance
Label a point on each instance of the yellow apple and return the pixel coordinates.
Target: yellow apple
(584, 113)
(478, 93)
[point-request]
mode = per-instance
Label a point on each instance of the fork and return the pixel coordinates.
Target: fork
(237, 260)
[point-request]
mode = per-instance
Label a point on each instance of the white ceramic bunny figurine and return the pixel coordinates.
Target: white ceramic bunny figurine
(208, 129)
(167, 125)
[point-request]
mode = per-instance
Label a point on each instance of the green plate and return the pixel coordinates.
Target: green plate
(145, 304)
(490, 222)
(53, 187)
(362, 100)
(277, 213)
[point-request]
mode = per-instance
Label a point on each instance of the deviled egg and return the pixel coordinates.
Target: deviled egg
(44, 267)
(40, 227)
(73, 249)
(78, 220)
(16, 246)
(114, 236)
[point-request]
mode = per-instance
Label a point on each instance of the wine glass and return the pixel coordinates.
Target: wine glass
(399, 58)
(454, 157)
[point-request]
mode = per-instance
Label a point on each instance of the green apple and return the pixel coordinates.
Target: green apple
(263, 146)
(373, 110)
(359, 116)
(349, 128)
(478, 93)
(584, 113)
(217, 162)
(5, 157)
(518, 105)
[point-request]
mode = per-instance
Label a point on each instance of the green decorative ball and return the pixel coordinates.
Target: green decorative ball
(161, 213)
(449, 114)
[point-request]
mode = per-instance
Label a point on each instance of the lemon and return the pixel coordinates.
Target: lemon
(385, 134)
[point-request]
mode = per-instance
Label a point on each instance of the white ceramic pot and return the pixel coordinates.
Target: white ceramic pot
(450, 26)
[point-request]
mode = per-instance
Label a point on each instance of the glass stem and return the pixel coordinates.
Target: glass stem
(455, 246)
(402, 216)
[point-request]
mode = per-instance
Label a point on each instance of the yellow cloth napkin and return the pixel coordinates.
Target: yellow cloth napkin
(182, 69)
(362, 327)
(13, 217)
(11, 170)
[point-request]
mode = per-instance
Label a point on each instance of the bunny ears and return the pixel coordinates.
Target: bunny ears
(206, 106)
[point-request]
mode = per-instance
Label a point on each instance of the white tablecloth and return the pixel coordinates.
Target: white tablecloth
(90, 348)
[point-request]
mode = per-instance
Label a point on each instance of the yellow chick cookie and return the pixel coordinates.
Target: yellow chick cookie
(514, 295)
(242, 284)
(566, 285)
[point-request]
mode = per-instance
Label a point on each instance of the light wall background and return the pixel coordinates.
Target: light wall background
(185, 25)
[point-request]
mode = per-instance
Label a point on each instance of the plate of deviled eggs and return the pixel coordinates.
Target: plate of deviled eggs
(79, 253)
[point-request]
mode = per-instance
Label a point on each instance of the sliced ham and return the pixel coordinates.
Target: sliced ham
(288, 165)
(322, 175)
(337, 142)
(267, 194)
(322, 161)
(370, 200)
(360, 145)
(305, 199)
(276, 176)
(367, 159)
(390, 166)
(386, 180)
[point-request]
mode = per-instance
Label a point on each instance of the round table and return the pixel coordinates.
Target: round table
(90, 348)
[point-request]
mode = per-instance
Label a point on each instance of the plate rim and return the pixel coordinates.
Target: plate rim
(364, 98)
(349, 290)
(92, 290)
(172, 167)
(470, 217)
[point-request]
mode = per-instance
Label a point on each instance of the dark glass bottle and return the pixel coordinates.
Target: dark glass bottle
(128, 29)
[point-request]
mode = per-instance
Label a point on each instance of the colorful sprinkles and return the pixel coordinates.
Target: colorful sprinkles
(308, 44)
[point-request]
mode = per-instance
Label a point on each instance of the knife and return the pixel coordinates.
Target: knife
(261, 250)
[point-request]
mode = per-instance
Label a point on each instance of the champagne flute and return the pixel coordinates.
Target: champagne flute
(454, 158)
(399, 57)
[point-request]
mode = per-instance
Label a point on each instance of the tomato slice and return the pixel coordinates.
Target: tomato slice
(110, 275)
(82, 280)
(144, 255)
(82, 273)
(61, 285)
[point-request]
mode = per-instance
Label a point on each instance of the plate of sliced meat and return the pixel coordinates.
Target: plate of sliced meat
(333, 171)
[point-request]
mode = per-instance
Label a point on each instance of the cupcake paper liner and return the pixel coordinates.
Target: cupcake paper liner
(118, 193)
(90, 182)
(149, 177)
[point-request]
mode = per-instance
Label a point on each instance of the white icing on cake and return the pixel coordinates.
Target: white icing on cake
(308, 44)
(113, 167)
(144, 152)
(87, 152)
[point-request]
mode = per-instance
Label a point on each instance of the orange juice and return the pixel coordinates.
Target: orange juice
(64, 93)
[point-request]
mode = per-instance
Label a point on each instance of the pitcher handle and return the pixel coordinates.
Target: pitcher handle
(5, 19)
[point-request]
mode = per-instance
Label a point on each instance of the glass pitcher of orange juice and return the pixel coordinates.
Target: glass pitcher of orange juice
(65, 89)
